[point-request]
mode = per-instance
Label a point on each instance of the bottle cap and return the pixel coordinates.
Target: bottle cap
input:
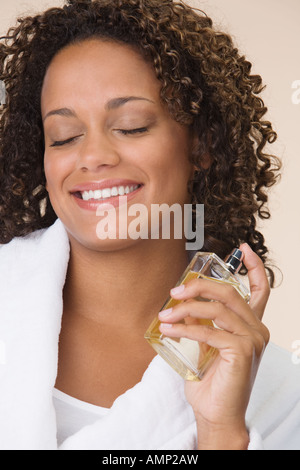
(235, 260)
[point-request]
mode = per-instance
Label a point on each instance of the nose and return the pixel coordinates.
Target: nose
(96, 152)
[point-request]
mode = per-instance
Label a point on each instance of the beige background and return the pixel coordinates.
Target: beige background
(268, 32)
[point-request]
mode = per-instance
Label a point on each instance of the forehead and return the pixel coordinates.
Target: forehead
(98, 69)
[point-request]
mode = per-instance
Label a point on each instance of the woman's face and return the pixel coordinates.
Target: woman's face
(107, 132)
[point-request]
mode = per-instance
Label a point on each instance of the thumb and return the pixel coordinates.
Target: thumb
(259, 284)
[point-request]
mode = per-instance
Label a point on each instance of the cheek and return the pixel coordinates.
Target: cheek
(56, 170)
(178, 172)
(176, 168)
(170, 176)
(177, 147)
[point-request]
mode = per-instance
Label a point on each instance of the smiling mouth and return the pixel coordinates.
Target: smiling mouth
(106, 193)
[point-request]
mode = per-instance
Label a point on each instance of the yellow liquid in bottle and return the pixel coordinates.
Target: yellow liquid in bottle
(188, 357)
(191, 359)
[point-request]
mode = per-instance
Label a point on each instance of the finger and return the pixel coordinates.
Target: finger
(218, 339)
(247, 345)
(259, 284)
(216, 312)
(217, 291)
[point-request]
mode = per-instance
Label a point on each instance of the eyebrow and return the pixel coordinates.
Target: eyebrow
(110, 105)
(66, 112)
(117, 102)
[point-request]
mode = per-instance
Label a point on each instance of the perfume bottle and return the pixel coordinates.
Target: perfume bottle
(191, 359)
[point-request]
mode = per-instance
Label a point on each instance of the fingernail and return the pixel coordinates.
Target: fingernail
(178, 290)
(165, 312)
(166, 325)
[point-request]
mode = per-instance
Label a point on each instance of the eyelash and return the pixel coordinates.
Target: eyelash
(140, 130)
(60, 143)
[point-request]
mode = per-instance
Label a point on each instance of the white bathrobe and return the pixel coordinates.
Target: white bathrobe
(152, 415)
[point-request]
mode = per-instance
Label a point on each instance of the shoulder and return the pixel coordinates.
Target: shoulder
(279, 368)
(25, 254)
(33, 239)
(274, 408)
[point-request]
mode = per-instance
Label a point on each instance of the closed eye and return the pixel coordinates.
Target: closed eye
(140, 130)
(60, 143)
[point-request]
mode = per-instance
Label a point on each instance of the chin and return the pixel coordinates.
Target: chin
(91, 242)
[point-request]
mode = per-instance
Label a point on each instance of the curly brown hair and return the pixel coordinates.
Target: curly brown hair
(206, 84)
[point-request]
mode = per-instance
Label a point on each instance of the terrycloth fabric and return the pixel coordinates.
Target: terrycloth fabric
(274, 408)
(152, 415)
(32, 274)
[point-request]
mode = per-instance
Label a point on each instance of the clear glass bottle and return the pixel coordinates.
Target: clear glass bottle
(191, 359)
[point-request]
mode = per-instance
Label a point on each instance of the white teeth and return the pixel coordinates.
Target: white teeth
(108, 192)
(98, 194)
(85, 196)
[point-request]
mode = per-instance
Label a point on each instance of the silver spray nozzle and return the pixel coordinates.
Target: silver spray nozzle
(235, 260)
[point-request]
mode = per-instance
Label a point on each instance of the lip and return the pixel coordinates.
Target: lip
(115, 201)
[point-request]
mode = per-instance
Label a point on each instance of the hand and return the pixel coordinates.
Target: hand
(220, 399)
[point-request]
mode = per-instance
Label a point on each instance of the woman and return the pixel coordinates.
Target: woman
(143, 98)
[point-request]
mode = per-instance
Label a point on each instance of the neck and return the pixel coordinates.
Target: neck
(127, 286)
